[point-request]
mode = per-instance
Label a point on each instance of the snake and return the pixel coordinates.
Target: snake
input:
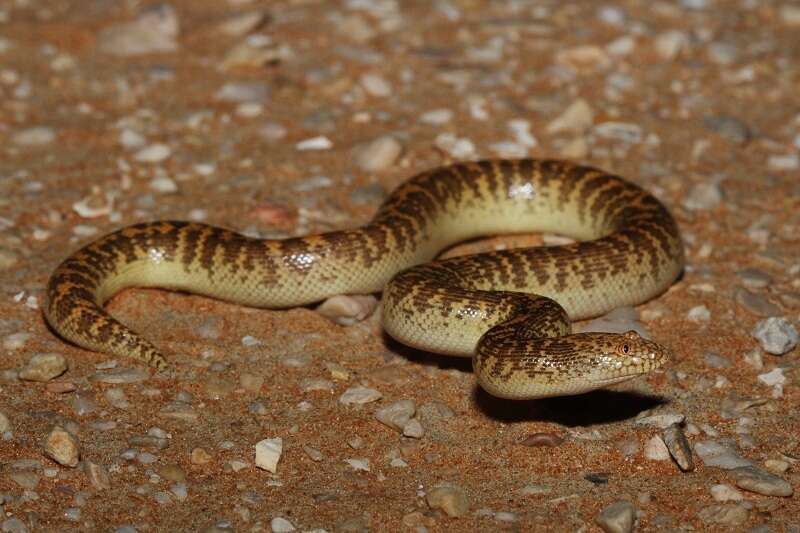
(509, 310)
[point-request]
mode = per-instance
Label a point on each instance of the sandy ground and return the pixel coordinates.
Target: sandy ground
(283, 118)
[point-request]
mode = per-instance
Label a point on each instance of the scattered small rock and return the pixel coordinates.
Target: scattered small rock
(36, 136)
(396, 415)
(776, 335)
(679, 447)
(268, 453)
(44, 367)
(715, 454)
(451, 499)
(730, 128)
(542, 439)
(155, 30)
(281, 525)
(726, 514)
(378, 154)
(656, 449)
(359, 395)
(347, 310)
(703, 196)
(725, 493)
(760, 481)
(62, 446)
(619, 517)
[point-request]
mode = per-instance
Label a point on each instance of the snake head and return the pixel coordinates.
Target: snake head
(623, 356)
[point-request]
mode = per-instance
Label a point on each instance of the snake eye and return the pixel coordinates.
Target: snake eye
(625, 348)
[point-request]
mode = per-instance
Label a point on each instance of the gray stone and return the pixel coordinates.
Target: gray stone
(678, 447)
(448, 498)
(730, 128)
(703, 196)
(726, 514)
(760, 481)
(618, 517)
(715, 454)
(378, 154)
(44, 367)
(62, 447)
(396, 415)
(755, 303)
(776, 335)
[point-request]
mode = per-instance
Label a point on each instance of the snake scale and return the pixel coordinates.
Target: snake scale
(510, 310)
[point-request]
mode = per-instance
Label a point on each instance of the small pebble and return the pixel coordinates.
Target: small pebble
(451, 499)
(703, 196)
(36, 136)
(436, 117)
(699, 313)
(155, 153)
(359, 395)
(457, 147)
(776, 335)
(760, 481)
(281, 525)
(656, 449)
(347, 310)
(715, 454)
(315, 143)
(361, 465)
(542, 439)
(730, 128)
(661, 421)
(97, 475)
(396, 415)
(726, 514)
(576, 118)
(62, 447)
(268, 453)
(5, 423)
(725, 493)
(678, 447)
(378, 154)
(755, 303)
(376, 85)
(619, 517)
(44, 367)
(155, 30)
(199, 456)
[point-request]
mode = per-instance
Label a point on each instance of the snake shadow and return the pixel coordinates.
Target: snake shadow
(602, 406)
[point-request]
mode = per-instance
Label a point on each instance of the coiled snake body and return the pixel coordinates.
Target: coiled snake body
(509, 310)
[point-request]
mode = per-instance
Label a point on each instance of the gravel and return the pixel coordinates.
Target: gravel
(776, 335)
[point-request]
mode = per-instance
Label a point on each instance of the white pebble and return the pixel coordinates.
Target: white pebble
(315, 143)
(62, 447)
(577, 118)
(655, 449)
(358, 464)
(131, 139)
(776, 335)
(15, 341)
(458, 147)
(268, 453)
(155, 153)
(699, 313)
(357, 395)
(781, 163)
(773, 377)
(280, 525)
(436, 117)
(163, 184)
(378, 154)
(619, 131)
(725, 493)
(36, 136)
(375, 85)
(670, 43)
